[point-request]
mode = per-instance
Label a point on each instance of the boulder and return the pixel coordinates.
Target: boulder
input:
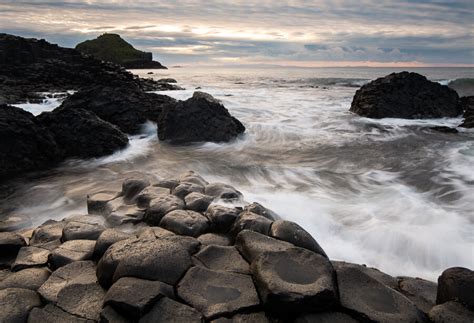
(184, 189)
(81, 231)
(253, 222)
(467, 104)
(16, 303)
(150, 193)
(215, 239)
(47, 232)
(133, 297)
(370, 300)
(421, 292)
(217, 293)
(108, 238)
(293, 233)
(26, 144)
(53, 314)
(70, 251)
(83, 300)
(222, 191)
(97, 203)
(405, 95)
(200, 118)
(325, 317)
(81, 134)
(374, 273)
(131, 188)
(183, 222)
(252, 244)
(221, 218)
(161, 206)
(223, 259)
(191, 177)
(167, 310)
(451, 312)
(119, 212)
(11, 243)
(154, 233)
(259, 209)
(295, 280)
(197, 201)
(169, 183)
(109, 315)
(30, 278)
(30, 257)
(190, 244)
(456, 284)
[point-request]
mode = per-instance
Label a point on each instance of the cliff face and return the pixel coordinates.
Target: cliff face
(112, 48)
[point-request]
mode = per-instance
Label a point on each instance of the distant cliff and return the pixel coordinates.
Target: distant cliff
(113, 48)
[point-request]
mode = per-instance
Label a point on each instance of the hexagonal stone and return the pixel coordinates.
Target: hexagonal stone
(252, 244)
(193, 178)
(131, 188)
(124, 214)
(368, 298)
(222, 191)
(150, 193)
(325, 317)
(154, 232)
(161, 206)
(259, 209)
(84, 300)
(70, 251)
(80, 272)
(30, 278)
(183, 189)
(167, 310)
(30, 257)
(219, 239)
(134, 297)
(10, 243)
(456, 284)
(190, 244)
(109, 315)
(291, 232)
(197, 201)
(244, 318)
(295, 280)
(97, 203)
(16, 304)
(451, 312)
(216, 293)
(222, 218)
(183, 222)
(421, 292)
(253, 222)
(53, 314)
(47, 232)
(223, 258)
(81, 231)
(108, 238)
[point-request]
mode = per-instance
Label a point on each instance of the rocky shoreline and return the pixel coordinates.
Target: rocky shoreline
(177, 250)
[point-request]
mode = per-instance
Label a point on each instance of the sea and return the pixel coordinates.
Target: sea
(388, 193)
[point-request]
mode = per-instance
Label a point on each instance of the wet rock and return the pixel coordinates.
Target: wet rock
(200, 118)
(30, 278)
(84, 300)
(134, 297)
(215, 239)
(253, 222)
(185, 222)
(81, 231)
(109, 315)
(81, 134)
(183, 189)
(222, 218)
(223, 258)
(76, 273)
(451, 312)
(244, 318)
(444, 129)
(53, 314)
(167, 310)
(70, 251)
(11, 243)
(167, 80)
(216, 293)
(16, 303)
(30, 257)
(325, 317)
(252, 244)
(47, 232)
(97, 203)
(369, 299)
(191, 177)
(467, 104)
(150, 193)
(222, 191)
(131, 188)
(295, 280)
(405, 95)
(197, 202)
(421, 292)
(293, 233)
(261, 210)
(456, 284)
(108, 238)
(161, 206)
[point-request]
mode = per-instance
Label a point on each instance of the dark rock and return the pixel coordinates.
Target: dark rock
(150, 193)
(185, 222)
(222, 191)
(161, 206)
(134, 297)
(293, 233)
(222, 218)
(97, 203)
(118, 212)
(167, 183)
(30, 278)
(81, 134)
(244, 318)
(78, 230)
(200, 118)
(31, 257)
(154, 232)
(184, 189)
(11, 243)
(215, 239)
(444, 129)
(253, 222)
(190, 244)
(76, 273)
(166, 310)
(325, 317)
(405, 95)
(84, 300)
(26, 145)
(456, 284)
(370, 300)
(252, 244)
(261, 210)
(467, 104)
(421, 292)
(53, 314)
(70, 251)
(167, 80)
(217, 293)
(197, 202)
(131, 188)
(451, 312)
(223, 259)
(47, 232)
(295, 280)
(16, 303)
(108, 238)
(109, 315)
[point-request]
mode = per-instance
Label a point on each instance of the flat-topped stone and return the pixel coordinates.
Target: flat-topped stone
(16, 304)
(81, 231)
(31, 257)
(223, 258)
(185, 222)
(47, 232)
(252, 244)
(253, 222)
(198, 202)
(83, 300)
(70, 251)
(160, 206)
(97, 203)
(29, 278)
(107, 238)
(167, 310)
(149, 193)
(53, 314)
(219, 239)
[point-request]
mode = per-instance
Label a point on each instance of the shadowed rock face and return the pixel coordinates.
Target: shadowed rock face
(467, 103)
(456, 284)
(405, 95)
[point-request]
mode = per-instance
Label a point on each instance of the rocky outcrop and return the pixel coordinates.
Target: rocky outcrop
(467, 104)
(223, 264)
(405, 95)
(200, 118)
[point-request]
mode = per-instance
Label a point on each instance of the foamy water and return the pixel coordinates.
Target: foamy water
(388, 193)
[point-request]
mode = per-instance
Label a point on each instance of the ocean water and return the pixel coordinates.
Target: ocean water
(387, 193)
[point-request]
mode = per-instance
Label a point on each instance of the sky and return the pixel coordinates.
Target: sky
(292, 33)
